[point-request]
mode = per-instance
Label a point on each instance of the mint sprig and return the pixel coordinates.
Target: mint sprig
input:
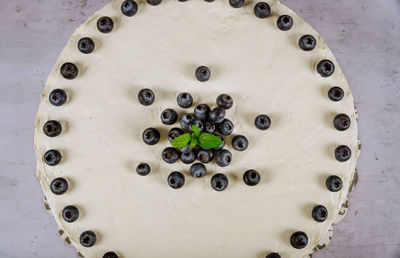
(204, 140)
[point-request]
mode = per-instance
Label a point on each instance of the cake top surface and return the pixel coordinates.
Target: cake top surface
(94, 126)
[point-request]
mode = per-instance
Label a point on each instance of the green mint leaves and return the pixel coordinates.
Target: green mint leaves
(204, 140)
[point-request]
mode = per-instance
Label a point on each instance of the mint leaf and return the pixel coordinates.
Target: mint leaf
(209, 141)
(181, 141)
(196, 130)
(193, 143)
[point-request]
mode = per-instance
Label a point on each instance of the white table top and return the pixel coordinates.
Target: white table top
(365, 38)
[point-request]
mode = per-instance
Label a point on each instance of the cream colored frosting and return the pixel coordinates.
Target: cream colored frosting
(264, 71)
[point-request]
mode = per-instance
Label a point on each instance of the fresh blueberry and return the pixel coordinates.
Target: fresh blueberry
(52, 128)
(173, 133)
(307, 42)
(70, 213)
(319, 213)
(240, 143)
(169, 116)
(262, 10)
(341, 122)
(251, 177)
(217, 115)
(299, 240)
(202, 111)
(223, 142)
(154, 2)
(198, 123)
(236, 3)
(325, 68)
(110, 255)
(105, 24)
(223, 158)
(151, 136)
(129, 8)
(342, 153)
(69, 71)
(219, 182)
(209, 127)
(59, 186)
(205, 155)
(273, 255)
(176, 180)
(186, 121)
(203, 73)
(170, 155)
(225, 101)
(52, 157)
(185, 100)
(262, 122)
(143, 169)
(225, 127)
(58, 97)
(86, 45)
(285, 22)
(88, 238)
(335, 93)
(333, 183)
(146, 97)
(188, 157)
(198, 170)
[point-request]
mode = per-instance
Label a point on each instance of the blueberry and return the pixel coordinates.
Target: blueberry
(236, 3)
(299, 240)
(285, 22)
(70, 213)
(307, 42)
(69, 71)
(198, 170)
(146, 97)
(342, 153)
(217, 115)
(52, 157)
(88, 238)
(86, 45)
(170, 155)
(325, 68)
(205, 155)
(110, 255)
(203, 73)
(219, 182)
(341, 122)
(223, 142)
(225, 101)
(58, 97)
(173, 133)
(143, 169)
(176, 180)
(186, 121)
(262, 10)
(105, 24)
(185, 100)
(273, 255)
(198, 123)
(209, 127)
(154, 2)
(333, 183)
(185, 149)
(52, 128)
(240, 143)
(202, 111)
(151, 136)
(59, 186)
(319, 213)
(169, 116)
(251, 177)
(223, 158)
(188, 157)
(335, 93)
(262, 122)
(129, 8)
(225, 127)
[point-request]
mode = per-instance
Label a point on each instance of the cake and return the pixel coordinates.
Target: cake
(196, 129)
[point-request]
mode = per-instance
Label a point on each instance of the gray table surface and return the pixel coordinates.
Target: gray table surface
(364, 36)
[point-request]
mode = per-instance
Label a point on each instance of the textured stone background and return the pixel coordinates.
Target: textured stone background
(364, 36)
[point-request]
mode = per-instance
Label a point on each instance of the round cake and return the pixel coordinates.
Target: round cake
(196, 129)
